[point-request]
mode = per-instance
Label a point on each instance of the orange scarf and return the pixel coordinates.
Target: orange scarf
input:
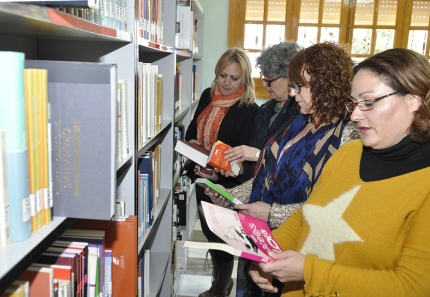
(210, 118)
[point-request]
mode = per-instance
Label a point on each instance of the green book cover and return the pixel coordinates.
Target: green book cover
(203, 182)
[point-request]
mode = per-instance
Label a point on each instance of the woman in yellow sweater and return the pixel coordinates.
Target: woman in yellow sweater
(364, 230)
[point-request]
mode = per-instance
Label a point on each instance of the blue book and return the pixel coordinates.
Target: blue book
(13, 122)
(146, 200)
(145, 167)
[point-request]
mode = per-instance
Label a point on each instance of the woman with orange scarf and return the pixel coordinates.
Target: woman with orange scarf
(226, 112)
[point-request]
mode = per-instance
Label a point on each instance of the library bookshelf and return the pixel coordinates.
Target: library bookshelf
(47, 34)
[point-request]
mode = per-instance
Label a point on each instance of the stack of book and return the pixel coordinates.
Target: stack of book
(150, 102)
(92, 258)
(47, 122)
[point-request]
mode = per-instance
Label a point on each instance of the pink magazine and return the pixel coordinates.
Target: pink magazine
(250, 237)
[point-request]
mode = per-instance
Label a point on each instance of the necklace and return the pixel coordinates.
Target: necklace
(284, 149)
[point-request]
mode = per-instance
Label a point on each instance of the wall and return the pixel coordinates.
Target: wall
(215, 36)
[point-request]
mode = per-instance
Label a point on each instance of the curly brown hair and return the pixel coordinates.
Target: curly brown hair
(406, 72)
(330, 69)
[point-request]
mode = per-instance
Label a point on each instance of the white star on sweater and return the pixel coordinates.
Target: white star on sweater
(327, 226)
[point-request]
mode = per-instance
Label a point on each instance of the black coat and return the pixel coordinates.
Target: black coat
(236, 127)
(262, 132)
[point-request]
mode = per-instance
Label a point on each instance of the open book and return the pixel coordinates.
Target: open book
(245, 236)
(203, 182)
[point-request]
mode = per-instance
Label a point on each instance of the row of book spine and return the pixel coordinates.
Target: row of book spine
(93, 258)
(149, 176)
(109, 13)
(151, 18)
(27, 138)
(26, 199)
(150, 102)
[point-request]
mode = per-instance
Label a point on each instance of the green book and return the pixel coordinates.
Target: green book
(203, 182)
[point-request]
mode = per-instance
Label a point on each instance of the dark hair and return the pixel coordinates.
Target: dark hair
(275, 59)
(406, 72)
(330, 70)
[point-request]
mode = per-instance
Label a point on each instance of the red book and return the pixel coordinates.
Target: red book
(51, 257)
(121, 238)
(41, 281)
(61, 272)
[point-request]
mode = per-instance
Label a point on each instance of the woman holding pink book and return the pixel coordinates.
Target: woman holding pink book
(225, 112)
(364, 230)
(290, 163)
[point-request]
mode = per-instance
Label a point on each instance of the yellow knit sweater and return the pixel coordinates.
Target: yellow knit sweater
(362, 238)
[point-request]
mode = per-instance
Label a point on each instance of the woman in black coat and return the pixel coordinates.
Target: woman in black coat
(226, 112)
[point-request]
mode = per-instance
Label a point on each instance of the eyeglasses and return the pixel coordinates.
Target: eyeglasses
(366, 104)
(295, 87)
(267, 81)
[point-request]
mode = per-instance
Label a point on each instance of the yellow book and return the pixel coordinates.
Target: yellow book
(159, 102)
(30, 113)
(38, 134)
(46, 199)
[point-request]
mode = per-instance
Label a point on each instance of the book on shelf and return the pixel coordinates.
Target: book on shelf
(177, 87)
(36, 108)
(78, 257)
(145, 275)
(47, 200)
(4, 195)
(67, 259)
(244, 236)
(123, 148)
(70, 3)
(82, 99)
(14, 291)
(41, 280)
(159, 112)
(216, 159)
(20, 288)
(194, 96)
(184, 27)
(180, 201)
(84, 257)
(61, 272)
(12, 121)
(95, 239)
(121, 238)
(147, 101)
(107, 290)
(203, 182)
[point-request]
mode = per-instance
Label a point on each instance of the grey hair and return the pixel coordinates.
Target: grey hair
(275, 59)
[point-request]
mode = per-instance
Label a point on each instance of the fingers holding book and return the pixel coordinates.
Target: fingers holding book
(216, 198)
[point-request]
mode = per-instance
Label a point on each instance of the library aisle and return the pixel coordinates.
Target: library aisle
(198, 278)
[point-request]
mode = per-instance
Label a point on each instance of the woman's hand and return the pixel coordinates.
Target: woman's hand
(223, 173)
(213, 176)
(287, 267)
(262, 279)
(257, 209)
(241, 153)
(195, 141)
(217, 198)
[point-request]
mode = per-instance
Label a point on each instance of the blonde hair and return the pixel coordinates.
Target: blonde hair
(238, 55)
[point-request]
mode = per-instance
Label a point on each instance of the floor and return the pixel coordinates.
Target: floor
(197, 279)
